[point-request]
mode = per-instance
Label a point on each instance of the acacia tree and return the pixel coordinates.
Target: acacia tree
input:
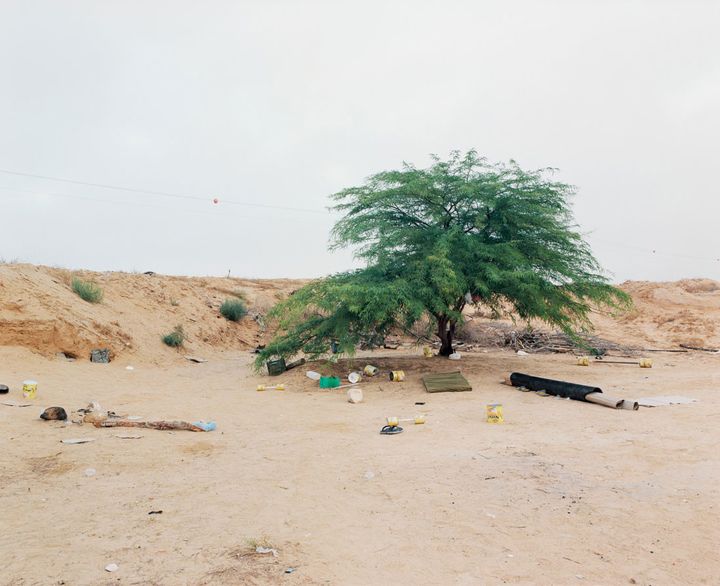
(462, 231)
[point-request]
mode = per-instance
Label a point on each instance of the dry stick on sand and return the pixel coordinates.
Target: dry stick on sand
(162, 425)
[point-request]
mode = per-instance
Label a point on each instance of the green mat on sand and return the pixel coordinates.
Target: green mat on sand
(445, 382)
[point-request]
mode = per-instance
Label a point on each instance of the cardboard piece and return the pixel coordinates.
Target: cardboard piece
(446, 382)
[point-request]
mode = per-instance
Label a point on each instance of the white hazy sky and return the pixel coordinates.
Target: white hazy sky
(282, 103)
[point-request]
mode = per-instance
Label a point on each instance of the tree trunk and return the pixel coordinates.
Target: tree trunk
(446, 331)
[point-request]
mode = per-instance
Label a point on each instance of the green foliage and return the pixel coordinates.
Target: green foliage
(87, 290)
(175, 338)
(233, 309)
(462, 231)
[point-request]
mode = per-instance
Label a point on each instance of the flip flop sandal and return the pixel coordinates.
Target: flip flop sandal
(391, 430)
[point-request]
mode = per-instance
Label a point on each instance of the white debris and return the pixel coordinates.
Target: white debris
(261, 549)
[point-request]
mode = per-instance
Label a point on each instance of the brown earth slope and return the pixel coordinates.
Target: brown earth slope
(39, 311)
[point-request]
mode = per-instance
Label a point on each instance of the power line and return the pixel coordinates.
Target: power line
(160, 193)
(655, 251)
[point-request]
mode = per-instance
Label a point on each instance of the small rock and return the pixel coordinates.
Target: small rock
(54, 414)
(91, 472)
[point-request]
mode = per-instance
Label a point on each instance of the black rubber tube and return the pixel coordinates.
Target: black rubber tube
(552, 387)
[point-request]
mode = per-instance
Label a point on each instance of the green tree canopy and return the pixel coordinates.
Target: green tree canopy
(463, 231)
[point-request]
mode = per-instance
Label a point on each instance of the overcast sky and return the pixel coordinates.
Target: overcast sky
(282, 103)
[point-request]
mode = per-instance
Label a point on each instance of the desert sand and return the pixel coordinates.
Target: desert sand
(563, 492)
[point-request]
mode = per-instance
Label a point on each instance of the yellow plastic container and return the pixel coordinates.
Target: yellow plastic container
(280, 387)
(29, 389)
(494, 413)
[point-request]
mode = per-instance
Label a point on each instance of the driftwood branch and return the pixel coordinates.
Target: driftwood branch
(162, 425)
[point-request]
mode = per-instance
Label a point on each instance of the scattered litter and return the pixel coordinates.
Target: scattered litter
(289, 570)
(112, 568)
(369, 475)
(100, 356)
(490, 515)
(261, 549)
(665, 400)
(312, 375)
(397, 376)
(355, 396)
(275, 367)
(93, 413)
(522, 353)
(54, 414)
(90, 472)
(196, 359)
(417, 420)
(454, 356)
(4, 389)
(29, 389)
(82, 440)
(159, 512)
(419, 402)
(391, 429)
(370, 370)
(642, 363)
(295, 363)
(133, 418)
(130, 436)
(494, 413)
(65, 357)
(354, 377)
(278, 387)
(329, 382)
(16, 404)
(427, 352)
(206, 425)
(129, 368)
(446, 382)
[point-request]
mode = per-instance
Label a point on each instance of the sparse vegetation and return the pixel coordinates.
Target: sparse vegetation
(175, 338)
(233, 309)
(254, 542)
(87, 290)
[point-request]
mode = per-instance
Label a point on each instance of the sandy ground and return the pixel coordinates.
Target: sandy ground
(563, 493)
